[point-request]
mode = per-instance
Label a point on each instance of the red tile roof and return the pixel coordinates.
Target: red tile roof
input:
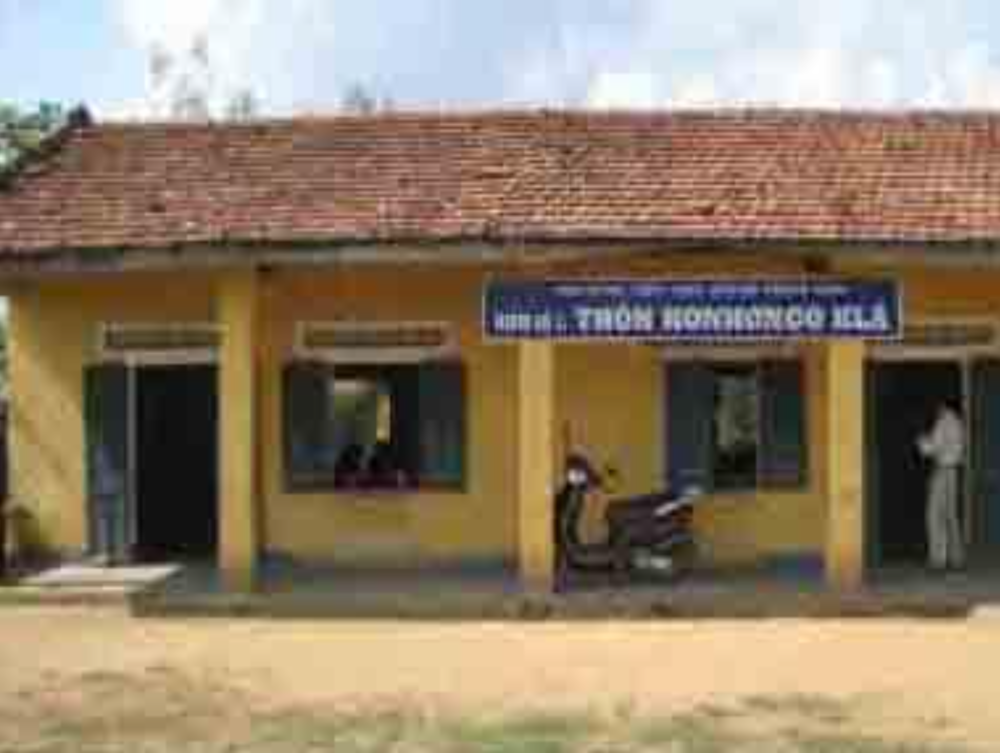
(535, 176)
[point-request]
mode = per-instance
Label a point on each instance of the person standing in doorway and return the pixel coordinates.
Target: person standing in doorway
(944, 445)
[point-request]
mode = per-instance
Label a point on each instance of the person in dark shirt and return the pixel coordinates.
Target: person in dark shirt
(347, 471)
(383, 467)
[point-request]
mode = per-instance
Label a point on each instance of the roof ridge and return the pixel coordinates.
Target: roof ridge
(582, 113)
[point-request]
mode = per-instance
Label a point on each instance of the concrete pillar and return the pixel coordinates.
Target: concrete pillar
(845, 527)
(537, 463)
(239, 444)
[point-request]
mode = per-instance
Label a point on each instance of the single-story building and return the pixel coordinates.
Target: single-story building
(239, 340)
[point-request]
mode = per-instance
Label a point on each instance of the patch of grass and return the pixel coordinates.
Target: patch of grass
(531, 734)
(165, 710)
(350, 733)
(400, 733)
(808, 707)
(412, 733)
(696, 732)
(718, 712)
(834, 743)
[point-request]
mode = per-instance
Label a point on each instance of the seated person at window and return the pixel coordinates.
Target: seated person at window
(350, 463)
(383, 469)
(379, 426)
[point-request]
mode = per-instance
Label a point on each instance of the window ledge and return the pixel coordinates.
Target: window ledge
(391, 491)
(735, 498)
(340, 493)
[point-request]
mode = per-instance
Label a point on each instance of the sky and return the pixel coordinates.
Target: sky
(302, 55)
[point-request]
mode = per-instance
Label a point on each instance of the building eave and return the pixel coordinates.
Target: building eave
(16, 264)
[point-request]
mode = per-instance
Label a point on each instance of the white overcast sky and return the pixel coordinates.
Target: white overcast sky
(302, 54)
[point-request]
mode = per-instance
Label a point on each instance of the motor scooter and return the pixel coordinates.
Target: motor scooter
(649, 537)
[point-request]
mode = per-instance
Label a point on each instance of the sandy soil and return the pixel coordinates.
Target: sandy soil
(918, 679)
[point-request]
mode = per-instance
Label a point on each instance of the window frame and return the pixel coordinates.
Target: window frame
(297, 480)
(210, 335)
(387, 353)
(715, 358)
(325, 482)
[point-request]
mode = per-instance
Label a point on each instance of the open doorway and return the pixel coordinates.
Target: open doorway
(904, 400)
(176, 462)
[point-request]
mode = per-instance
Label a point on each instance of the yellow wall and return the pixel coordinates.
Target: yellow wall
(53, 333)
(610, 397)
(480, 522)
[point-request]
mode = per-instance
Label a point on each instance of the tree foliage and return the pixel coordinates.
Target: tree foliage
(359, 99)
(23, 130)
(185, 87)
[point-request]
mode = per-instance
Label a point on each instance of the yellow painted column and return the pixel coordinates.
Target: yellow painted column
(845, 526)
(536, 446)
(239, 454)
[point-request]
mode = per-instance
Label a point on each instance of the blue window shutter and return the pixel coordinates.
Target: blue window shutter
(442, 423)
(689, 406)
(985, 453)
(406, 419)
(308, 461)
(784, 446)
(873, 524)
(106, 416)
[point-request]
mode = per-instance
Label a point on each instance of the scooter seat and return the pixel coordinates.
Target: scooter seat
(626, 510)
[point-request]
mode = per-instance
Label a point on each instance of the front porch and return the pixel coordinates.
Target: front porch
(836, 437)
(540, 445)
(521, 397)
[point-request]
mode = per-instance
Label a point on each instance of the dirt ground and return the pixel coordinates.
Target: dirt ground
(935, 681)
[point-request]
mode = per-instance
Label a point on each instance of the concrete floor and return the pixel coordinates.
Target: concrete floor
(493, 592)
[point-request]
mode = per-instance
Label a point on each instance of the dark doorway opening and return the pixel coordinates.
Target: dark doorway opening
(905, 397)
(176, 462)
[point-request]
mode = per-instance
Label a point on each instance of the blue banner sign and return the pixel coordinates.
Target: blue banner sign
(691, 310)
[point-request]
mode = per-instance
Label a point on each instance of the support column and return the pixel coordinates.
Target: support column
(239, 512)
(536, 468)
(845, 534)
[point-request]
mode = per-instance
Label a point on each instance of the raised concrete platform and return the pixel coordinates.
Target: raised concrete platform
(289, 592)
(84, 576)
(83, 583)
